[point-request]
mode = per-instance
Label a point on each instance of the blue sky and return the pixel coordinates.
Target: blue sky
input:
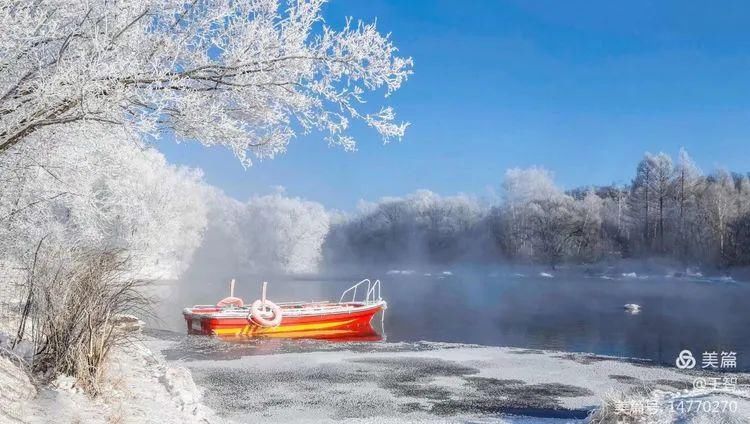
(581, 88)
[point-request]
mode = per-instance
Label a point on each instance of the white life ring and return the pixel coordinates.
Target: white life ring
(265, 315)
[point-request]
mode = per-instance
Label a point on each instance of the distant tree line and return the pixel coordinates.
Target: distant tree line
(670, 209)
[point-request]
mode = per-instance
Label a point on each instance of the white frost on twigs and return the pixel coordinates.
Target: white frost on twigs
(97, 187)
(247, 75)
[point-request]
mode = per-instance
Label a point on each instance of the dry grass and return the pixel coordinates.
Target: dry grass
(73, 307)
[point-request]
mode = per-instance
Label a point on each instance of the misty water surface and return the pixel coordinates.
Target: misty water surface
(569, 311)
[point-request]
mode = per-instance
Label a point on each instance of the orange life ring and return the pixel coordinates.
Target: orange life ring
(230, 301)
(259, 313)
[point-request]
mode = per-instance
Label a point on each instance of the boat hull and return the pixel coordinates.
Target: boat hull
(326, 324)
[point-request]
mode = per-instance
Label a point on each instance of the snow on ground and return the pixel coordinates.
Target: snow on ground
(695, 406)
(138, 387)
(429, 384)
(15, 389)
(357, 382)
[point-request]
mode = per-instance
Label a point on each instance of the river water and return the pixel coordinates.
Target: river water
(571, 310)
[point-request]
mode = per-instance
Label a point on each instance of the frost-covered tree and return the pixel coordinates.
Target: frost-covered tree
(272, 233)
(283, 232)
(738, 228)
(248, 75)
(738, 251)
(422, 226)
(551, 226)
(615, 220)
(522, 189)
(523, 185)
(68, 189)
(706, 217)
(651, 198)
(718, 207)
(589, 224)
(686, 186)
(662, 188)
(534, 221)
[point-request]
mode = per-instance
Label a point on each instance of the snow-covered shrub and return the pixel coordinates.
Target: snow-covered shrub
(73, 311)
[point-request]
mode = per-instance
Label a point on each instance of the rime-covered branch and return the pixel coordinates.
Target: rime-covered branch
(247, 75)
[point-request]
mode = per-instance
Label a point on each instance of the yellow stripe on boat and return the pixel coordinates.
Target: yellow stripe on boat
(249, 330)
(310, 333)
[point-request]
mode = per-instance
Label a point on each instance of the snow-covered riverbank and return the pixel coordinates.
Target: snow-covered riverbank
(138, 387)
(438, 382)
(363, 382)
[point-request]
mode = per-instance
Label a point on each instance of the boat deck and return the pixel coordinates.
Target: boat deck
(290, 309)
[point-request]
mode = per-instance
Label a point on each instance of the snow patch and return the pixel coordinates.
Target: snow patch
(632, 308)
(16, 390)
(23, 350)
(724, 279)
(401, 272)
(630, 275)
(137, 386)
(546, 275)
(693, 273)
(67, 383)
(179, 383)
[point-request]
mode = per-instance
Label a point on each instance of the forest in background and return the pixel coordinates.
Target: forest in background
(670, 209)
(126, 196)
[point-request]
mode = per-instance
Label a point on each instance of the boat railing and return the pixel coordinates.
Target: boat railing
(372, 294)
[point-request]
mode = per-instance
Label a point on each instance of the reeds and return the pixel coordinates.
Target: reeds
(73, 307)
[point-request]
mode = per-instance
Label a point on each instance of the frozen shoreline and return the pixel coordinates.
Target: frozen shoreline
(360, 382)
(433, 383)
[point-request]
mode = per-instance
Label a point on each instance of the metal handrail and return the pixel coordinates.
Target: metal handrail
(372, 290)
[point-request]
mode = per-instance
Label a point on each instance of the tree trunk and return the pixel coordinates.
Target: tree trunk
(661, 224)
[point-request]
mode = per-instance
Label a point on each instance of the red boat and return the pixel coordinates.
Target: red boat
(348, 318)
